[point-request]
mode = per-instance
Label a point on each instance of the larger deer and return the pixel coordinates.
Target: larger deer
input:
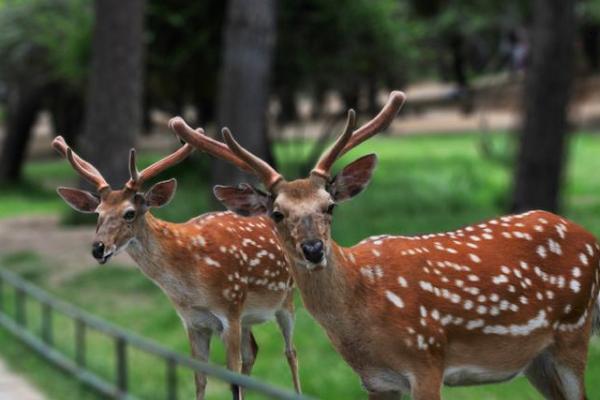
(222, 273)
(509, 296)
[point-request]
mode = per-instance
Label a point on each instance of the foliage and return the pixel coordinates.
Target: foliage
(45, 40)
(475, 31)
(589, 10)
(325, 45)
(183, 56)
(349, 45)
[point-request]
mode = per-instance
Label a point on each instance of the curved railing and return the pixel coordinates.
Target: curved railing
(83, 321)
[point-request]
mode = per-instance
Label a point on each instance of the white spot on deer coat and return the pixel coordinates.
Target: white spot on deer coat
(394, 298)
(589, 249)
(541, 251)
(474, 324)
(554, 247)
(474, 258)
(533, 324)
(575, 285)
(210, 261)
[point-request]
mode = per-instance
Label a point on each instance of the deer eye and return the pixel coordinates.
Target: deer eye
(277, 216)
(330, 209)
(129, 215)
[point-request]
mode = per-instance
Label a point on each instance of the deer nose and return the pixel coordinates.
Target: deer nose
(313, 250)
(98, 250)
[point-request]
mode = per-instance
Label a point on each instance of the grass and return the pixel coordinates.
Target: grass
(422, 184)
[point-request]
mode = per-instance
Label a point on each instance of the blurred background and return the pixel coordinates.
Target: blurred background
(502, 115)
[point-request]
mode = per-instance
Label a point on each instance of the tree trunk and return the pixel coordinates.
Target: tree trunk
(66, 107)
(547, 90)
(590, 35)
(23, 105)
(249, 39)
(113, 109)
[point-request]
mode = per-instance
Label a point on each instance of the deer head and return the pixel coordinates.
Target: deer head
(120, 212)
(302, 209)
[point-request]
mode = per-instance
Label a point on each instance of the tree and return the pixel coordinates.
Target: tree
(43, 48)
(356, 46)
(249, 39)
(113, 108)
(547, 89)
(22, 107)
(183, 57)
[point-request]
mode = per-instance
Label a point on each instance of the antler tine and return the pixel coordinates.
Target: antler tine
(380, 122)
(348, 140)
(133, 171)
(259, 167)
(204, 143)
(60, 145)
(94, 179)
(323, 166)
(82, 167)
(138, 178)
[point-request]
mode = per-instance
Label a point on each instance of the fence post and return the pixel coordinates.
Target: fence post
(121, 349)
(80, 342)
(20, 313)
(47, 324)
(1, 295)
(171, 379)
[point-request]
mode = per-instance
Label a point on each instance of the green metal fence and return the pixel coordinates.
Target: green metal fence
(17, 324)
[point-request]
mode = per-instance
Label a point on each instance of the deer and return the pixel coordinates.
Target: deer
(221, 272)
(513, 295)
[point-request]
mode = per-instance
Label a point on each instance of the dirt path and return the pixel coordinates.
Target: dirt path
(13, 386)
(44, 236)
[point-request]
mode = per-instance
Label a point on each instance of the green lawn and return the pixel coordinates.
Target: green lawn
(422, 184)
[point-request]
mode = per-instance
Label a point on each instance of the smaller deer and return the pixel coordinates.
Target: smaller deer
(513, 295)
(221, 272)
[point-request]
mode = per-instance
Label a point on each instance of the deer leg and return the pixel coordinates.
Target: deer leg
(232, 336)
(285, 320)
(570, 356)
(200, 344)
(542, 374)
(558, 373)
(572, 382)
(428, 386)
(249, 351)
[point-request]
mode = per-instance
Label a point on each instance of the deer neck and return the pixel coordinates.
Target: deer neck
(147, 247)
(326, 291)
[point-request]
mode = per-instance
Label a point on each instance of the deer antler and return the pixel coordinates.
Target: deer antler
(261, 169)
(206, 144)
(138, 178)
(243, 159)
(328, 158)
(347, 142)
(86, 170)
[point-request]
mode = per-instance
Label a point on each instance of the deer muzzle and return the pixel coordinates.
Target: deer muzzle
(313, 250)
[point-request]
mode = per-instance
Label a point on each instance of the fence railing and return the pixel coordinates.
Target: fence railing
(24, 291)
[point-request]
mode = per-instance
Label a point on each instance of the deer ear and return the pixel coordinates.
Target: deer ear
(244, 200)
(353, 179)
(161, 193)
(80, 200)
